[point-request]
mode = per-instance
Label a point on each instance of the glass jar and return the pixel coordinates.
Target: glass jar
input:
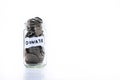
(34, 53)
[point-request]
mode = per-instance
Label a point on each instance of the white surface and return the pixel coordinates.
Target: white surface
(82, 41)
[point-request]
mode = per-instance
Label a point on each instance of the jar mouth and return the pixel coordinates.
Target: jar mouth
(35, 21)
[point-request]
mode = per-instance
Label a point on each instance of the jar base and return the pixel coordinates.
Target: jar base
(40, 65)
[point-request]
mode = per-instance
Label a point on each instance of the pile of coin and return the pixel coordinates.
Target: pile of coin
(34, 54)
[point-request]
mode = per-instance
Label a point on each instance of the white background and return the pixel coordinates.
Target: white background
(82, 39)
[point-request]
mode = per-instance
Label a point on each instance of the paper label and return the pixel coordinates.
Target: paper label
(34, 41)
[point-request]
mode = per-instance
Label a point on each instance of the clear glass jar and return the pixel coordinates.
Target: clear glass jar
(34, 53)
